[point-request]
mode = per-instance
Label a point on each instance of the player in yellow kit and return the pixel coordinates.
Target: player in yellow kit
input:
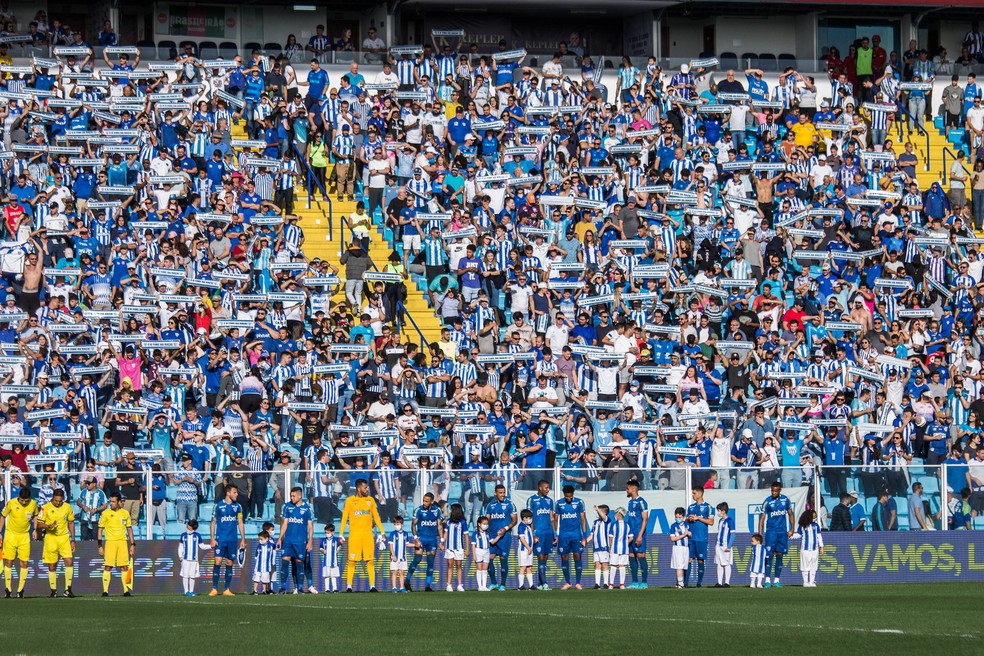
(16, 539)
(115, 526)
(57, 521)
(361, 511)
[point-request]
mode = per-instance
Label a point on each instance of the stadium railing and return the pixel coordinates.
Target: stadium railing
(313, 185)
(919, 128)
(946, 169)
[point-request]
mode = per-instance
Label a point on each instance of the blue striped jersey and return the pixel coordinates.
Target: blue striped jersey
(599, 534)
(726, 532)
(398, 541)
(680, 528)
(330, 546)
(455, 534)
(264, 556)
(525, 534)
(480, 539)
(757, 565)
(810, 537)
(385, 476)
(188, 545)
(619, 535)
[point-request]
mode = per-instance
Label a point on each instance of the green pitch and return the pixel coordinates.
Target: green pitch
(830, 620)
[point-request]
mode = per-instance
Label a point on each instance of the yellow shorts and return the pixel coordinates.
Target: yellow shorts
(55, 547)
(16, 546)
(361, 547)
(117, 554)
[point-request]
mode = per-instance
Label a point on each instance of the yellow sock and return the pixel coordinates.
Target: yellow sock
(107, 577)
(52, 579)
(8, 575)
(21, 579)
(127, 581)
(371, 573)
(349, 573)
(69, 575)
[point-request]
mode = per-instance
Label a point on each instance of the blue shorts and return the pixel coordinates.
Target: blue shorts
(698, 550)
(427, 546)
(776, 541)
(567, 544)
(294, 550)
(226, 549)
(502, 547)
(641, 549)
(544, 544)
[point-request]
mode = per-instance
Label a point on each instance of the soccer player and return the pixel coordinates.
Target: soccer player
(398, 542)
(330, 547)
(774, 523)
(15, 536)
(189, 544)
(527, 543)
(638, 521)
(757, 567)
(599, 547)
(620, 545)
(724, 557)
(57, 521)
(680, 555)
(699, 517)
(571, 525)
(117, 529)
(542, 507)
(360, 511)
(480, 545)
(264, 561)
(502, 518)
(228, 534)
(456, 549)
(296, 540)
(428, 535)
(811, 547)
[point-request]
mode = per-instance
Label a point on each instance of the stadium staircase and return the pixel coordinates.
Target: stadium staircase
(326, 233)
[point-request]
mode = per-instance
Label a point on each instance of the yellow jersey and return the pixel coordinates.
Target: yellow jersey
(59, 516)
(19, 516)
(114, 524)
(362, 513)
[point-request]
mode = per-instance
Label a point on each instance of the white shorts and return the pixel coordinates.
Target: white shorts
(619, 560)
(398, 565)
(524, 558)
(189, 569)
(328, 572)
(602, 556)
(680, 557)
(722, 557)
(411, 242)
(261, 577)
(481, 556)
(809, 561)
(454, 554)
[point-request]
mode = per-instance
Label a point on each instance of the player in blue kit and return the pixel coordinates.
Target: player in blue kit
(502, 518)
(699, 517)
(296, 540)
(428, 535)
(228, 537)
(637, 517)
(572, 528)
(542, 507)
(774, 523)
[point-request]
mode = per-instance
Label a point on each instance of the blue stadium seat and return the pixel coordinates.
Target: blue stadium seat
(748, 60)
(249, 47)
(273, 48)
(208, 50)
(228, 49)
(767, 62)
(167, 50)
(785, 60)
(728, 60)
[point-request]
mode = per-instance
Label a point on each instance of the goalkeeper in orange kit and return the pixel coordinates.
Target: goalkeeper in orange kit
(360, 510)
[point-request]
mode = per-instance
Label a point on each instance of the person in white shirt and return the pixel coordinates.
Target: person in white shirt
(820, 171)
(386, 76)
(542, 397)
(559, 333)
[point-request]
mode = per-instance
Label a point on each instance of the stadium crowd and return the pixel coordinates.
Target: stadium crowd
(692, 270)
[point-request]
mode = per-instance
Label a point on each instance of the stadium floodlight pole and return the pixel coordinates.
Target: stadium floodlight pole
(148, 502)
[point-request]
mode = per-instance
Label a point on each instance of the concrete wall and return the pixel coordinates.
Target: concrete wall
(686, 36)
(776, 34)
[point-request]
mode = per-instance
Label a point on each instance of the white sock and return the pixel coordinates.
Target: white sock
(621, 575)
(606, 574)
(597, 576)
(679, 580)
(720, 573)
(522, 580)
(184, 583)
(806, 578)
(727, 574)
(529, 577)
(813, 578)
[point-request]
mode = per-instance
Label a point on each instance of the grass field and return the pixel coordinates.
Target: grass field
(837, 620)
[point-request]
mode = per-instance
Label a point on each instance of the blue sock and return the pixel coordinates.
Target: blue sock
(643, 570)
(541, 571)
(284, 567)
(492, 573)
(308, 573)
(504, 566)
(413, 565)
(566, 564)
(578, 568)
(778, 565)
(429, 579)
(768, 565)
(634, 568)
(700, 572)
(228, 576)
(686, 575)
(298, 574)
(216, 573)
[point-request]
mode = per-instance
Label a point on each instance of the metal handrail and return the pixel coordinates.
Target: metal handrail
(401, 310)
(919, 127)
(953, 156)
(311, 178)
